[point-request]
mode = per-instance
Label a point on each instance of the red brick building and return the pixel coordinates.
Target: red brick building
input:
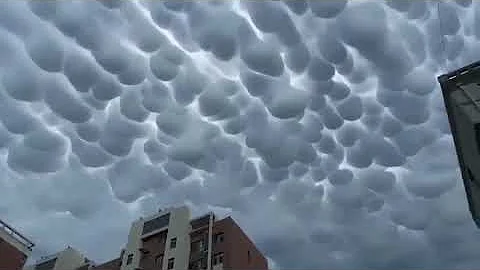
(231, 247)
(14, 248)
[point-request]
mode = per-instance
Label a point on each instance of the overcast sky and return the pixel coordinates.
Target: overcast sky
(318, 125)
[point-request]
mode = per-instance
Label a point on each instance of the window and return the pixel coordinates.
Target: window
(129, 259)
(249, 258)
(218, 238)
(218, 258)
(198, 264)
(156, 223)
(195, 265)
(173, 242)
(144, 255)
(472, 178)
(159, 260)
(171, 263)
(197, 246)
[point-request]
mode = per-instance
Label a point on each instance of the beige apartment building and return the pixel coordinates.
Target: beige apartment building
(68, 259)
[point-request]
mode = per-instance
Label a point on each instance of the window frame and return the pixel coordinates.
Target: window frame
(199, 245)
(171, 263)
(173, 242)
(129, 259)
(219, 237)
(218, 258)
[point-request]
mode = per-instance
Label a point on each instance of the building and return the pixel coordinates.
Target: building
(110, 265)
(14, 248)
(171, 240)
(68, 259)
(461, 95)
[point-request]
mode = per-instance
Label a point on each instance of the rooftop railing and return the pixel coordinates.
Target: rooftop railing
(16, 235)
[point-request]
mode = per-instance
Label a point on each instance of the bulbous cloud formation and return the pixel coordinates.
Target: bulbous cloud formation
(318, 124)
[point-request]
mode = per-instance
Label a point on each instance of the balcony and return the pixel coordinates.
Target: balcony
(201, 222)
(156, 224)
(16, 235)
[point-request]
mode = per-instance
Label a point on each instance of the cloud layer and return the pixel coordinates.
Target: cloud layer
(318, 125)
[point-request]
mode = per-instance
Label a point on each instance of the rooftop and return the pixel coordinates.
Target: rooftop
(16, 235)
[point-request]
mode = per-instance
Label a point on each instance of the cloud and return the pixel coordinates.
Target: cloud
(319, 125)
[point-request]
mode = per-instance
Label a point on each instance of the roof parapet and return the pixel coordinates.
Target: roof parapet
(16, 235)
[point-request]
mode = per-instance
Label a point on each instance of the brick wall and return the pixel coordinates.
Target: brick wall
(240, 251)
(10, 257)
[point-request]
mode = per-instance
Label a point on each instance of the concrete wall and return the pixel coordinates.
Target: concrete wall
(69, 259)
(29, 267)
(179, 227)
(133, 246)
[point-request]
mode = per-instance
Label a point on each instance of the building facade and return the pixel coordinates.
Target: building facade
(68, 259)
(14, 248)
(110, 265)
(461, 96)
(171, 240)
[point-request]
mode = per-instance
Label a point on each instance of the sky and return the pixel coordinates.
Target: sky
(319, 126)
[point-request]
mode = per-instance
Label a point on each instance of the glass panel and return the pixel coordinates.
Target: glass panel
(155, 224)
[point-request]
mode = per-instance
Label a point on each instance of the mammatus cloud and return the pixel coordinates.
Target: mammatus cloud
(318, 124)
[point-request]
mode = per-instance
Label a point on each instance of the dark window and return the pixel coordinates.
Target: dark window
(162, 238)
(249, 258)
(200, 222)
(218, 238)
(218, 258)
(472, 178)
(144, 255)
(159, 260)
(129, 259)
(171, 263)
(156, 223)
(477, 136)
(173, 242)
(197, 246)
(198, 264)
